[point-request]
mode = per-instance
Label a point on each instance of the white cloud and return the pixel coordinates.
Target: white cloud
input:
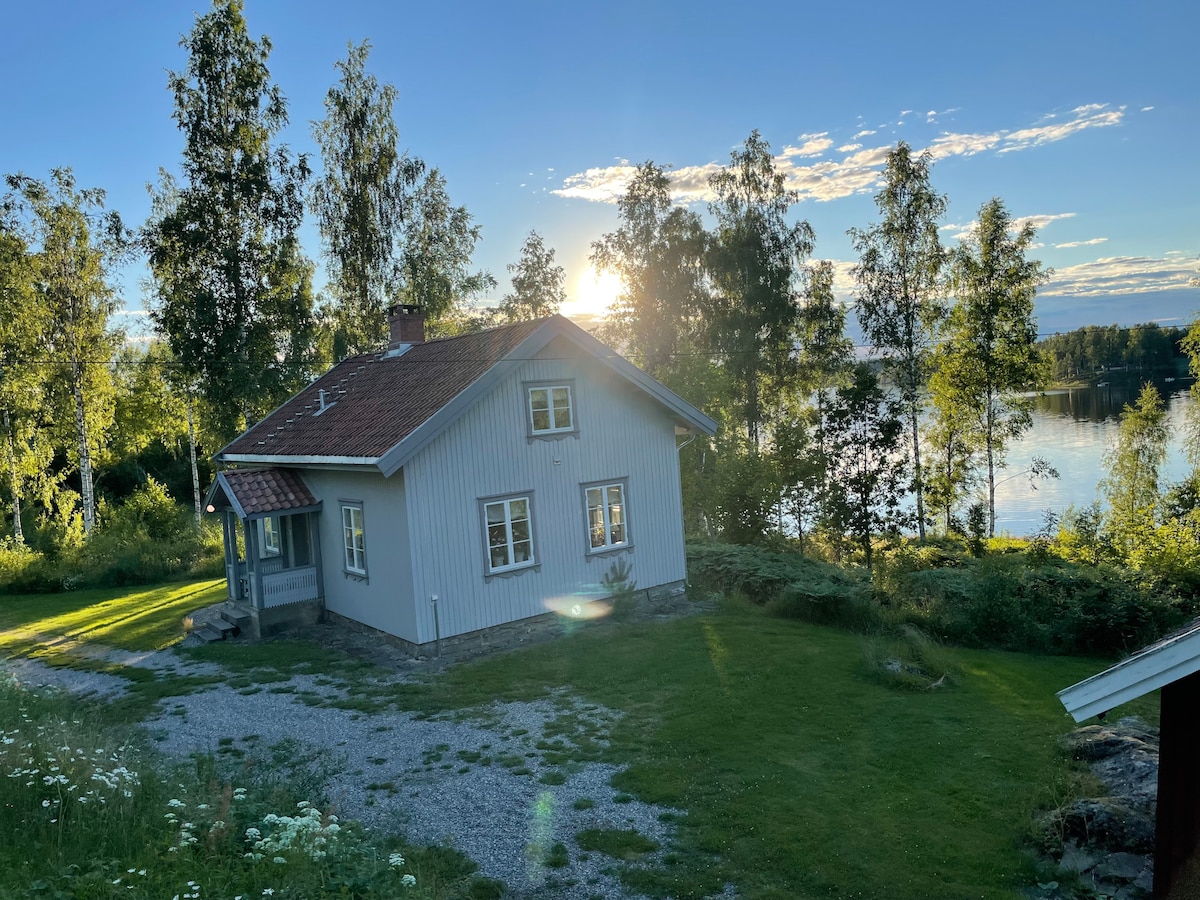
(961, 231)
(866, 132)
(1147, 108)
(1039, 222)
(1070, 244)
(932, 115)
(859, 169)
(812, 145)
(1121, 275)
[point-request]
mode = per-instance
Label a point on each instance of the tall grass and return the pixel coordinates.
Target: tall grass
(87, 813)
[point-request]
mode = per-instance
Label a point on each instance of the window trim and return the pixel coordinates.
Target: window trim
(351, 552)
(535, 560)
(551, 433)
(605, 484)
(269, 526)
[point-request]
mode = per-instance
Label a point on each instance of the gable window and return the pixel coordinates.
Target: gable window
(550, 409)
(354, 539)
(607, 517)
(508, 525)
(268, 536)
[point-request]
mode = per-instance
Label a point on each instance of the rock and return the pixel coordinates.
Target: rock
(1121, 866)
(1075, 858)
(1108, 823)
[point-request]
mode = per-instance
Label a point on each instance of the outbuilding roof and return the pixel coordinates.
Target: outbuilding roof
(379, 409)
(1174, 657)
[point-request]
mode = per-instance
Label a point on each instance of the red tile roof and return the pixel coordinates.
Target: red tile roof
(268, 490)
(378, 400)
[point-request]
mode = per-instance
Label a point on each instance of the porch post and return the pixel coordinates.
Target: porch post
(253, 573)
(314, 540)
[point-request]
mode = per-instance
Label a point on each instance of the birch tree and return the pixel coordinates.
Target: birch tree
(899, 307)
(989, 357)
(233, 291)
(537, 283)
(75, 244)
(755, 265)
(360, 200)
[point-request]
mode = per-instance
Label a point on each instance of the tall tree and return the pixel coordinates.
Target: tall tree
(75, 244)
(988, 356)
(435, 255)
(755, 264)
(234, 296)
(900, 259)
(360, 198)
(537, 283)
(825, 353)
(1131, 487)
(22, 318)
(658, 250)
(866, 472)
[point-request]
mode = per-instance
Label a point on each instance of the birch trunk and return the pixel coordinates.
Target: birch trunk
(192, 452)
(86, 493)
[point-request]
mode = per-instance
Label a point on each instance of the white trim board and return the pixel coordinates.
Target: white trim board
(1159, 664)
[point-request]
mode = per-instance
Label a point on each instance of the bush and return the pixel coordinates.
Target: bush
(1023, 598)
(146, 539)
(16, 561)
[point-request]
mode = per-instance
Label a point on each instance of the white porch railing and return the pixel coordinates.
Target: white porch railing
(290, 586)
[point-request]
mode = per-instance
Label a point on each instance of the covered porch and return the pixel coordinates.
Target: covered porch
(269, 521)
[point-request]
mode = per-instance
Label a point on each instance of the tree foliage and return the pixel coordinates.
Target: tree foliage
(755, 264)
(537, 283)
(75, 243)
(866, 471)
(659, 251)
(899, 308)
(988, 355)
(360, 200)
(435, 256)
(1131, 487)
(233, 291)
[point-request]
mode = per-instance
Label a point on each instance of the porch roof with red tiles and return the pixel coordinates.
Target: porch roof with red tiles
(260, 491)
(374, 401)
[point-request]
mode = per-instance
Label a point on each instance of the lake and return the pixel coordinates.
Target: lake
(1072, 429)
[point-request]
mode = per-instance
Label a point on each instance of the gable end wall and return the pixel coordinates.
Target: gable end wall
(622, 434)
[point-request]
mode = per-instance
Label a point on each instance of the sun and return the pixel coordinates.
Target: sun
(595, 292)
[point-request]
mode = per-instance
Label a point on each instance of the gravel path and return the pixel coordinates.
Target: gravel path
(426, 777)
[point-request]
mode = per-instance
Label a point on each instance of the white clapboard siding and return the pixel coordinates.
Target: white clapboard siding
(622, 434)
(384, 598)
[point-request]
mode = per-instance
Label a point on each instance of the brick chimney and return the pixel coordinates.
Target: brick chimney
(406, 323)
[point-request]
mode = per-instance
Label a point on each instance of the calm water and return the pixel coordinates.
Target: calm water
(1072, 429)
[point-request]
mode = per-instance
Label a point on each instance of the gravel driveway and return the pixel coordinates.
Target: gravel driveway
(427, 777)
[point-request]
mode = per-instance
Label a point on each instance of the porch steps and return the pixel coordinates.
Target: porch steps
(211, 632)
(234, 615)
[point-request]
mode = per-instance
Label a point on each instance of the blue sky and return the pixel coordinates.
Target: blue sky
(1083, 116)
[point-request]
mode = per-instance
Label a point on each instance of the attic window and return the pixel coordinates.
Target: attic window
(551, 409)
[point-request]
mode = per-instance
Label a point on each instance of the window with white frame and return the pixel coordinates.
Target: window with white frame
(550, 409)
(268, 536)
(354, 539)
(508, 524)
(607, 517)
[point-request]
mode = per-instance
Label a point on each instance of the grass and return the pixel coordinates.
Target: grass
(801, 772)
(797, 771)
(44, 625)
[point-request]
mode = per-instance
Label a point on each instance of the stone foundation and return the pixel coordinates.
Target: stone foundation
(279, 619)
(657, 602)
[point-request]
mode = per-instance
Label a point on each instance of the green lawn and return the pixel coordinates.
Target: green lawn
(799, 772)
(147, 618)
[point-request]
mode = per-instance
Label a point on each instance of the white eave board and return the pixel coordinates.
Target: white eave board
(1171, 659)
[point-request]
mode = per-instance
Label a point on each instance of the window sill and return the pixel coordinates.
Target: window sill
(608, 551)
(509, 573)
(552, 435)
(356, 576)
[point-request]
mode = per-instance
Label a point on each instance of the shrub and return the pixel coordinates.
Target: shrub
(15, 561)
(760, 574)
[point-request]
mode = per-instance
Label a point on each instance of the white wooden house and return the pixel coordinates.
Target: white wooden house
(454, 485)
